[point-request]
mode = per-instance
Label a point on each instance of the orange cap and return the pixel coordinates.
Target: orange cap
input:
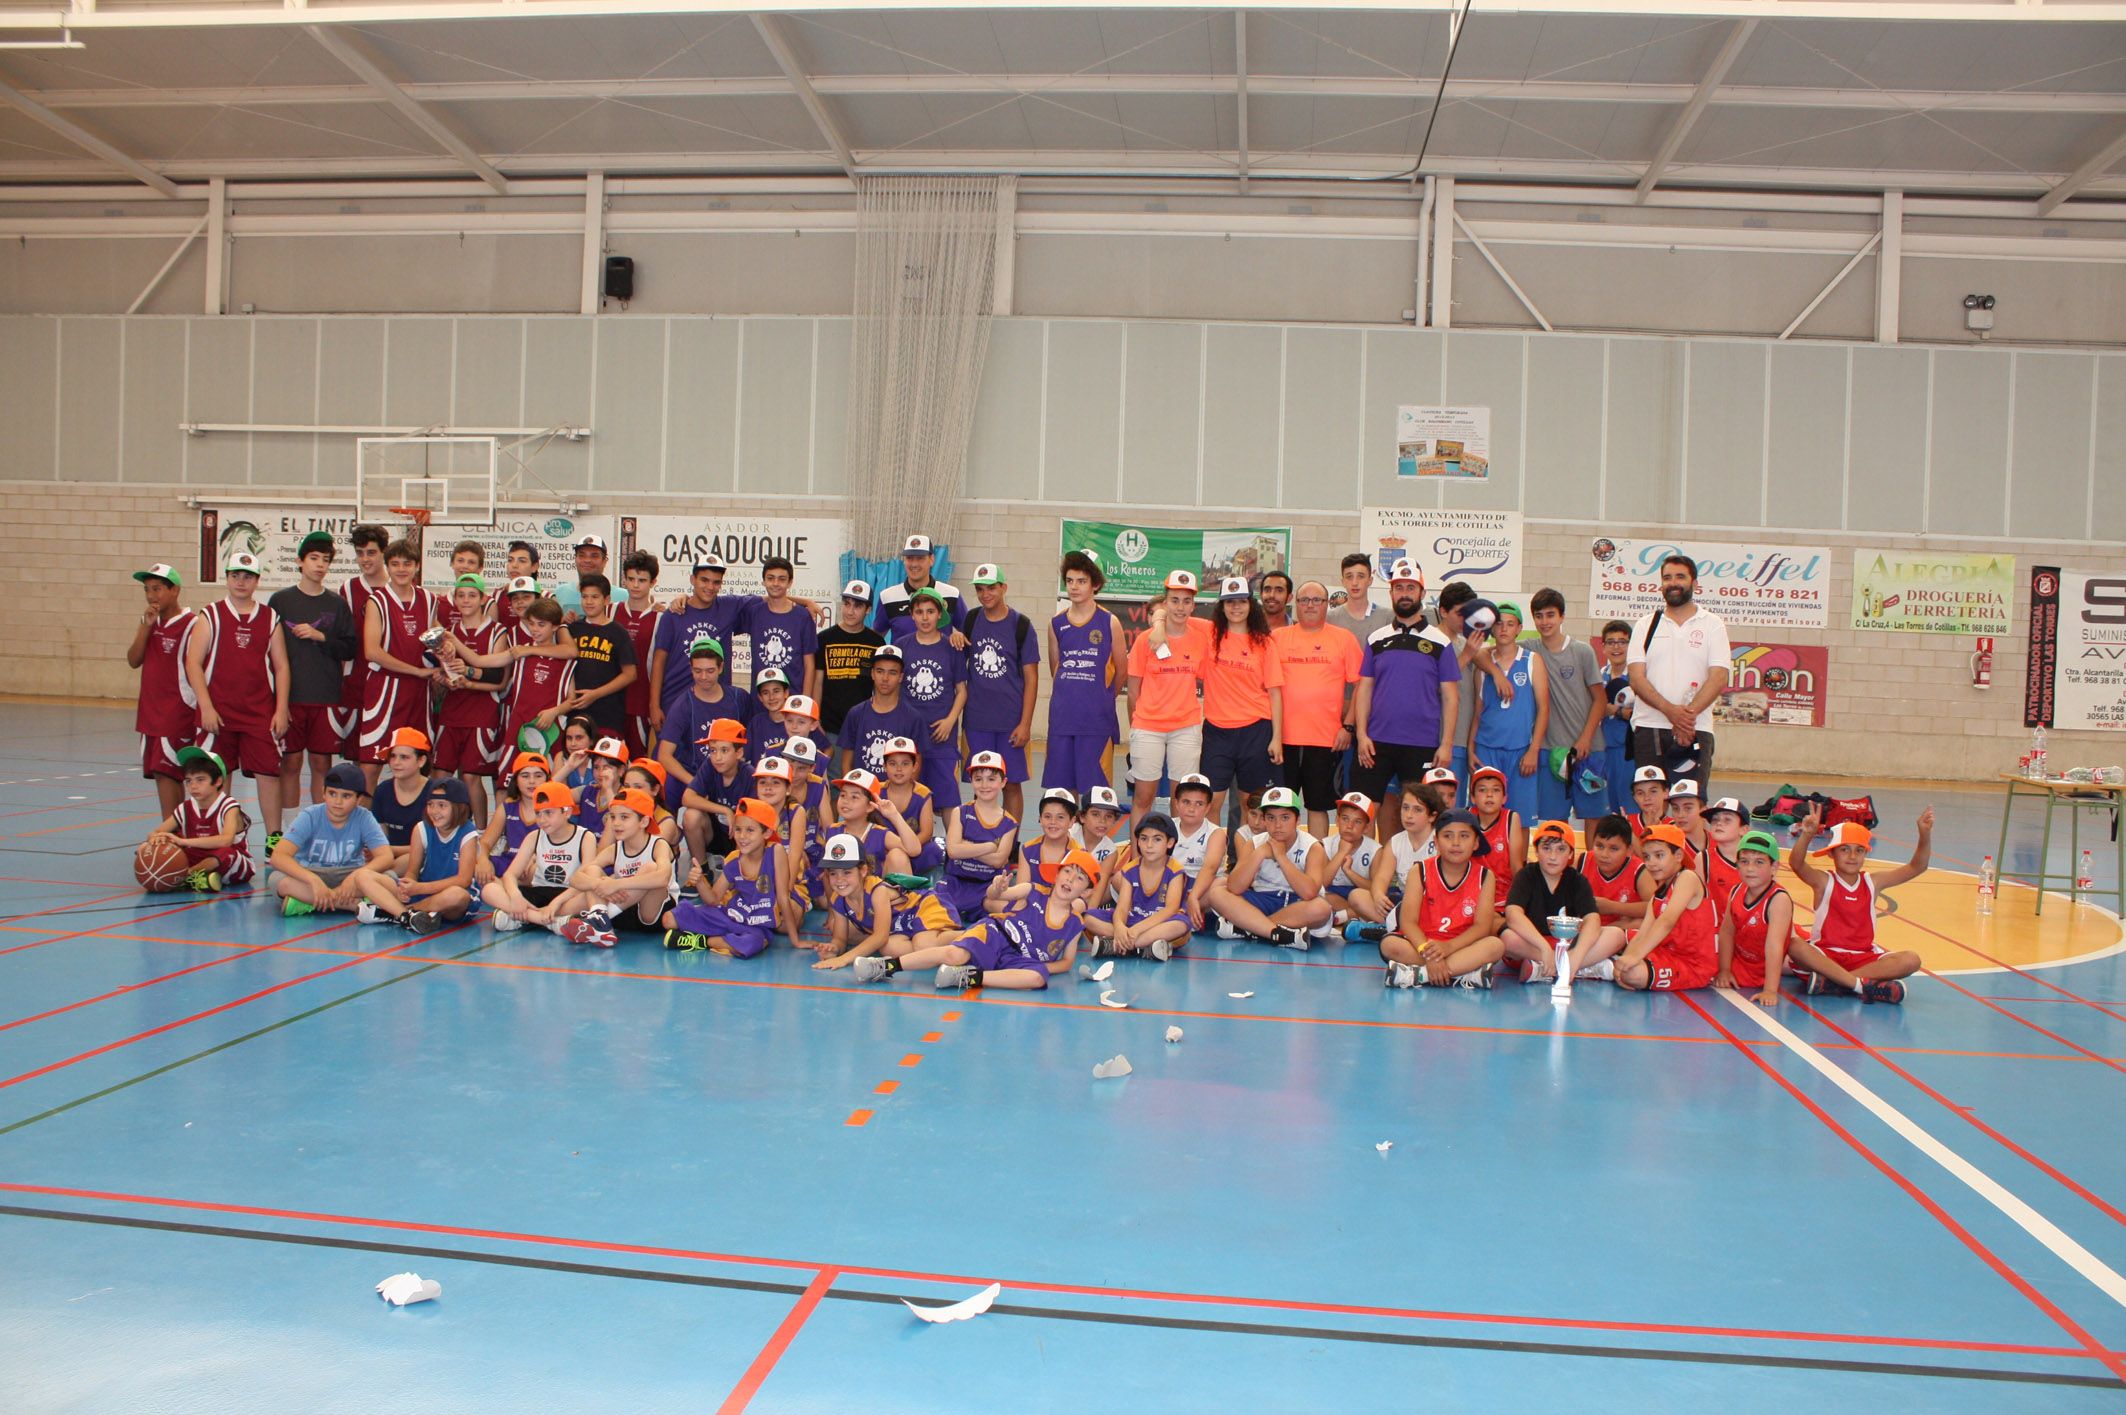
(638, 801)
(1670, 835)
(1554, 830)
(1483, 771)
(1084, 861)
(1846, 833)
(724, 729)
(862, 780)
(760, 813)
(412, 737)
(554, 793)
(651, 765)
(527, 760)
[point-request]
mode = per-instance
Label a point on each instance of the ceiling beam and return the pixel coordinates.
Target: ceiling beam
(1240, 87)
(2099, 162)
(771, 34)
(85, 140)
(357, 60)
(1695, 109)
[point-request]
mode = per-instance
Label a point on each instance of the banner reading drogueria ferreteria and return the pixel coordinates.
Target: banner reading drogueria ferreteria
(1930, 591)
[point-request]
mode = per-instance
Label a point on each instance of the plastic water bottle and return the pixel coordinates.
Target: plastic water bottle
(2037, 754)
(2085, 877)
(1988, 885)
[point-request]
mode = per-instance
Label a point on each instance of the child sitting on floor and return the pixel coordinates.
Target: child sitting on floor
(440, 858)
(1448, 931)
(1614, 871)
(738, 908)
(1147, 916)
(1676, 950)
(629, 879)
(208, 825)
(534, 889)
(1546, 887)
(867, 916)
(1018, 950)
(1756, 927)
(1844, 955)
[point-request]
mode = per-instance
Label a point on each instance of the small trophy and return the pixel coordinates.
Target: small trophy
(431, 640)
(1564, 928)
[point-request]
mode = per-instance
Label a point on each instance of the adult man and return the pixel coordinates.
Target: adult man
(237, 664)
(705, 610)
(1275, 592)
(1320, 663)
(1003, 679)
(891, 615)
(590, 560)
(1358, 613)
(605, 659)
(871, 724)
(167, 718)
(1574, 731)
(684, 736)
(781, 631)
(322, 640)
(1165, 717)
(1680, 662)
(1408, 686)
(845, 658)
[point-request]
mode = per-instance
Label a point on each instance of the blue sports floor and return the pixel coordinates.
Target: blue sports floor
(654, 1181)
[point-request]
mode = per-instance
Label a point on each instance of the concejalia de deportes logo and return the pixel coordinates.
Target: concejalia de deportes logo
(1132, 545)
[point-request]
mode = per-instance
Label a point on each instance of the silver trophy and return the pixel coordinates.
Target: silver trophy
(431, 640)
(1563, 929)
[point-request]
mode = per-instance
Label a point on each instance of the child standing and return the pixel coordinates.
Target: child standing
(1844, 954)
(469, 745)
(167, 716)
(321, 641)
(237, 664)
(1504, 830)
(1085, 666)
(208, 825)
(1615, 766)
(1448, 930)
(934, 678)
(1512, 714)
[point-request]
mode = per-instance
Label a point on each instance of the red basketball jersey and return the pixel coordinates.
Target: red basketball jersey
(1722, 876)
(536, 684)
(357, 592)
(194, 823)
(1695, 936)
(167, 707)
(240, 664)
(641, 626)
(1621, 888)
(1499, 835)
(1752, 920)
(1845, 914)
(1447, 910)
(403, 621)
(466, 707)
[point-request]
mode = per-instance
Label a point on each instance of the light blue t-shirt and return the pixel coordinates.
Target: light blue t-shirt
(319, 844)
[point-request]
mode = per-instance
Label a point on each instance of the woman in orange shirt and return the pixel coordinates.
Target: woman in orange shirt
(1165, 665)
(1243, 699)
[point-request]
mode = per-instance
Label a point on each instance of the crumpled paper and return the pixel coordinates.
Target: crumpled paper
(1242, 995)
(1173, 1034)
(961, 1310)
(1385, 1146)
(1108, 999)
(1114, 1066)
(402, 1288)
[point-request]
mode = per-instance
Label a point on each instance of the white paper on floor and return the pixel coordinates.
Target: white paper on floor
(1114, 1066)
(1108, 999)
(1385, 1146)
(961, 1310)
(1240, 994)
(1173, 1034)
(1105, 971)
(402, 1288)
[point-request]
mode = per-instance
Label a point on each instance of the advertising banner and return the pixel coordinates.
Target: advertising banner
(2040, 673)
(2091, 692)
(1137, 559)
(273, 535)
(812, 544)
(1785, 685)
(1932, 592)
(1742, 582)
(1442, 442)
(1482, 547)
(554, 536)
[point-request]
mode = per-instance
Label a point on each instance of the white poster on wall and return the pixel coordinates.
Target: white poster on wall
(1482, 547)
(554, 536)
(1442, 442)
(1743, 582)
(2090, 682)
(274, 534)
(813, 545)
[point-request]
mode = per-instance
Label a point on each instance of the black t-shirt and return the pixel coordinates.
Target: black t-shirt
(398, 819)
(602, 650)
(845, 665)
(1533, 893)
(314, 665)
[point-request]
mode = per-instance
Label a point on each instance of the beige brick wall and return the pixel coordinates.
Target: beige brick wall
(1901, 704)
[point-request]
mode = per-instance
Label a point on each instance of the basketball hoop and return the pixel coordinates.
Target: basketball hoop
(419, 515)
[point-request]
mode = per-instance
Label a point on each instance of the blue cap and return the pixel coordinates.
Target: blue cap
(1447, 818)
(450, 789)
(347, 777)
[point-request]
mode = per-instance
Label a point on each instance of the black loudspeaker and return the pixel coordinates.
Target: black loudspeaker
(619, 277)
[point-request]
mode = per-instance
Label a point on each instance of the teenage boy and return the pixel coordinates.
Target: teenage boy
(167, 717)
(467, 557)
(1165, 715)
(1615, 767)
(685, 732)
(892, 615)
(590, 560)
(1358, 615)
(871, 724)
(934, 680)
(519, 562)
(1844, 955)
(605, 658)
(1003, 679)
(1573, 734)
(470, 744)
(322, 640)
(1085, 664)
(845, 659)
(639, 615)
(314, 863)
(781, 631)
(705, 610)
(238, 668)
(368, 579)
(397, 691)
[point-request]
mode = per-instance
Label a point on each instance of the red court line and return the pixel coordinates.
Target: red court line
(215, 1011)
(2112, 1361)
(1964, 1113)
(625, 975)
(137, 919)
(749, 1384)
(1202, 1299)
(2023, 1021)
(166, 977)
(2024, 974)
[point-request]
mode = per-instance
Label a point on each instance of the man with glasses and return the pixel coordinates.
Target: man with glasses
(1320, 663)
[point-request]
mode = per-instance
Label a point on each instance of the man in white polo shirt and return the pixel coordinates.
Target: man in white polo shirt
(1679, 662)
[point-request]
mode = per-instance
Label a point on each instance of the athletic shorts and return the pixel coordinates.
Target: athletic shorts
(477, 750)
(1851, 959)
(992, 955)
(1000, 743)
(1394, 763)
(393, 701)
(1238, 756)
(1153, 755)
(333, 875)
(630, 921)
(1269, 901)
(1672, 970)
(158, 756)
(311, 729)
(541, 895)
(255, 751)
(1311, 771)
(1077, 763)
(233, 862)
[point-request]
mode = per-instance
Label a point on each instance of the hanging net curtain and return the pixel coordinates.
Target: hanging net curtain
(925, 255)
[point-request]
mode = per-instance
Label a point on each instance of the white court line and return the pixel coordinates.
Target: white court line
(2073, 1254)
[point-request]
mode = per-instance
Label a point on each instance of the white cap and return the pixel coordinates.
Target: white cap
(857, 589)
(1688, 786)
(1104, 797)
(1193, 778)
(859, 778)
(778, 767)
(1728, 803)
(709, 562)
(1357, 800)
(243, 562)
(798, 704)
(900, 747)
(1405, 570)
(1280, 798)
(771, 675)
(612, 748)
(1649, 773)
(1438, 776)
(892, 651)
(523, 584)
(916, 545)
(841, 850)
(986, 761)
(1060, 793)
(801, 749)
(594, 542)
(1234, 587)
(1182, 580)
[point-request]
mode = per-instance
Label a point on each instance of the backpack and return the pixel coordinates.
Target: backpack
(1838, 810)
(1785, 806)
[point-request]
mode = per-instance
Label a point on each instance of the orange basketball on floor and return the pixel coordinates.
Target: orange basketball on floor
(160, 865)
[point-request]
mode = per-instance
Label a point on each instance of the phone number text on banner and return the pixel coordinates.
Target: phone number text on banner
(1742, 582)
(1137, 559)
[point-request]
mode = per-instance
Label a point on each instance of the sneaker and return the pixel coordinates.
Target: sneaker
(1095, 945)
(592, 926)
(1290, 938)
(1817, 985)
(1889, 990)
(1359, 931)
(203, 880)
(956, 975)
(293, 908)
(1399, 975)
(367, 913)
(420, 921)
(1602, 972)
(1162, 949)
(507, 923)
(1476, 979)
(1331, 928)
(1224, 929)
(1527, 970)
(870, 969)
(273, 840)
(673, 938)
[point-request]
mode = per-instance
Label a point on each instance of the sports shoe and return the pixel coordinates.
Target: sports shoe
(1095, 945)
(1290, 938)
(1399, 975)
(673, 938)
(420, 921)
(1476, 979)
(1224, 928)
(1359, 931)
(899, 881)
(1162, 949)
(1817, 985)
(1526, 970)
(577, 929)
(367, 913)
(293, 908)
(204, 880)
(273, 839)
(956, 975)
(1602, 972)
(1888, 990)
(592, 926)
(507, 923)
(870, 969)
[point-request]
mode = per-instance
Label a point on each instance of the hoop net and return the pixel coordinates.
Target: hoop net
(436, 479)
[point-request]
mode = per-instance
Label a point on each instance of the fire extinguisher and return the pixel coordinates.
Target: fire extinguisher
(1982, 665)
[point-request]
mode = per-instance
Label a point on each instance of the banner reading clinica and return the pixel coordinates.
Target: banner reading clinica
(1137, 559)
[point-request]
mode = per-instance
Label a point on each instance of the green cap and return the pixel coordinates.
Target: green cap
(1507, 606)
(190, 756)
(532, 738)
(1761, 841)
(702, 644)
(160, 572)
(316, 540)
(469, 581)
(926, 592)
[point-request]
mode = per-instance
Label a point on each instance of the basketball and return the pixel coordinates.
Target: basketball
(160, 864)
